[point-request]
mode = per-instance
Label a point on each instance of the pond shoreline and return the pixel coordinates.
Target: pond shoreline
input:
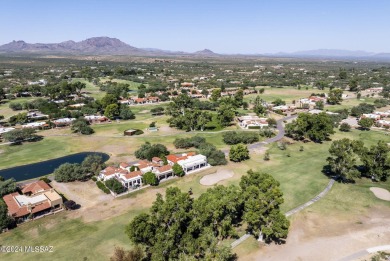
(43, 168)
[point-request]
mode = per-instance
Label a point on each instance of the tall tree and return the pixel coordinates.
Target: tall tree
(225, 113)
(343, 159)
(238, 153)
(215, 94)
(262, 199)
(335, 96)
(376, 162)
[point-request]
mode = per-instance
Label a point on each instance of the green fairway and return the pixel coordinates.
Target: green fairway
(7, 112)
(132, 85)
(299, 175)
(92, 90)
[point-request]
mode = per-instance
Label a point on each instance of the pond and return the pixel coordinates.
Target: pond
(43, 168)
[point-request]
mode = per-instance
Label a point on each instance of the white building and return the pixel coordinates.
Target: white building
(248, 122)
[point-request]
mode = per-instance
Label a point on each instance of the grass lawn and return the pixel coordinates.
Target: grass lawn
(300, 177)
(132, 85)
(5, 109)
(93, 90)
(287, 94)
(349, 103)
(72, 239)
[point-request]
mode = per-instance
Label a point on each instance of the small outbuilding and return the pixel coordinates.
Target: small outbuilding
(129, 132)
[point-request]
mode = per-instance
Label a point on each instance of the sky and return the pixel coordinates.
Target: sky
(223, 26)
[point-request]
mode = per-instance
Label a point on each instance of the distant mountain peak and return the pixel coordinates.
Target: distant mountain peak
(205, 52)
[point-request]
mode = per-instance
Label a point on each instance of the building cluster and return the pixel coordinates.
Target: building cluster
(252, 122)
(379, 118)
(130, 175)
(36, 199)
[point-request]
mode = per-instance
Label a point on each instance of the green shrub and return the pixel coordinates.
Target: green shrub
(45, 179)
(94, 178)
(102, 187)
(138, 132)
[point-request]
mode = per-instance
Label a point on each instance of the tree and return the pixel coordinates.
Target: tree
(150, 178)
(79, 86)
(111, 111)
(319, 105)
(19, 135)
(92, 164)
(353, 85)
(316, 127)
(148, 151)
(362, 108)
(125, 112)
(19, 118)
(69, 172)
(278, 102)
(376, 163)
(233, 137)
(342, 161)
(258, 106)
(343, 75)
(262, 198)
(115, 186)
(108, 99)
(245, 105)
(5, 219)
(216, 211)
(178, 170)
(7, 186)
(239, 153)
(163, 229)
(345, 127)
(239, 97)
(335, 96)
(81, 126)
(215, 95)
(225, 114)
(178, 228)
(366, 123)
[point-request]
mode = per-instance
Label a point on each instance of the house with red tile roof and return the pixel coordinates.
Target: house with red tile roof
(37, 199)
(188, 161)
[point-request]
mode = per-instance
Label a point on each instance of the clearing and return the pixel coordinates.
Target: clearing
(212, 179)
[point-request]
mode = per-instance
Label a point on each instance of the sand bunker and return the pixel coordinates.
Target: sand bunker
(212, 179)
(381, 193)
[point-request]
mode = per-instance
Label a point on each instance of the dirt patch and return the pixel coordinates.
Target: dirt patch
(381, 193)
(144, 111)
(313, 236)
(220, 175)
(2, 151)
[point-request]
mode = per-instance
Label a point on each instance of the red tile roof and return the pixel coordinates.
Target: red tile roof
(156, 159)
(133, 174)
(40, 207)
(124, 165)
(19, 211)
(164, 168)
(35, 187)
(109, 171)
(175, 159)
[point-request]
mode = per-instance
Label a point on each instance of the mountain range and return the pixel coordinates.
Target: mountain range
(91, 46)
(113, 46)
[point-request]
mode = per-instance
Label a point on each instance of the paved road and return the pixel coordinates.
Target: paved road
(279, 136)
(365, 252)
